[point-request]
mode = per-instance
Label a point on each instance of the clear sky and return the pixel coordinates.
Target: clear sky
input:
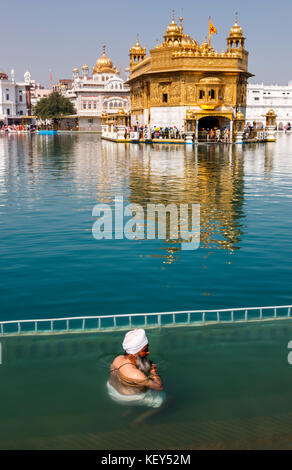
(62, 34)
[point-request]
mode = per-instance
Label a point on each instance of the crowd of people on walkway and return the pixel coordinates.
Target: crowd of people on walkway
(6, 128)
(173, 132)
(167, 132)
(155, 132)
(214, 135)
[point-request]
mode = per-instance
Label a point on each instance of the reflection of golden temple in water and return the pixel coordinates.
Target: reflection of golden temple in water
(211, 176)
(213, 179)
(174, 174)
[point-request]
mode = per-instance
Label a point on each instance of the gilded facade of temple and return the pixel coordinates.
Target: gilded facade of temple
(183, 78)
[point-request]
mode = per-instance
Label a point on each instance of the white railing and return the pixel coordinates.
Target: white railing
(145, 320)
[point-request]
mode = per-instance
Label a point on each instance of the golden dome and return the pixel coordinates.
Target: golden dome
(271, 112)
(75, 69)
(239, 115)
(236, 30)
(175, 37)
(85, 67)
(137, 47)
(103, 64)
(187, 41)
(173, 28)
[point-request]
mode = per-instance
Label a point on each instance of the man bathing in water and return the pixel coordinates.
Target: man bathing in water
(134, 379)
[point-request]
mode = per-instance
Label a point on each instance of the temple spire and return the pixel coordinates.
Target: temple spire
(181, 23)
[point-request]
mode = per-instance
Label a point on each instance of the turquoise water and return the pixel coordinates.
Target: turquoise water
(52, 266)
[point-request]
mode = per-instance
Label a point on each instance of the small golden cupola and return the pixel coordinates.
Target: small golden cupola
(235, 39)
(75, 73)
(85, 71)
(103, 64)
(174, 33)
(204, 46)
(137, 53)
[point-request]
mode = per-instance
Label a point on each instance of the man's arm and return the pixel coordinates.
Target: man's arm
(152, 381)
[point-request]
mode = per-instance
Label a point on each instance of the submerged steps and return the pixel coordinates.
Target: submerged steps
(87, 324)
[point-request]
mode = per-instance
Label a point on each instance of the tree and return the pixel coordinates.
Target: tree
(54, 106)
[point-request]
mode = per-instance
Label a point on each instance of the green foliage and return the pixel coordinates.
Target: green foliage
(54, 106)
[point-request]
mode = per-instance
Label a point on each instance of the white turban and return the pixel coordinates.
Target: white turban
(134, 341)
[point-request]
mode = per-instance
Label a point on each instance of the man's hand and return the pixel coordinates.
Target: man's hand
(155, 381)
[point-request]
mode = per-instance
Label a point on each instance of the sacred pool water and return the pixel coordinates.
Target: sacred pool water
(227, 385)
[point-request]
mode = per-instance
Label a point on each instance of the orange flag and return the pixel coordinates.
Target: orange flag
(212, 30)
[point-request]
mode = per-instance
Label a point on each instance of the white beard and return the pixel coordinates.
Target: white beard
(143, 364)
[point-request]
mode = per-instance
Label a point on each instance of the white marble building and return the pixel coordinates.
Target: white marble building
(14, 98)
(261, 98)
(37, 92)
(105, 90)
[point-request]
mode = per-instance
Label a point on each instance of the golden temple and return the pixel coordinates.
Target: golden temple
(181, 78)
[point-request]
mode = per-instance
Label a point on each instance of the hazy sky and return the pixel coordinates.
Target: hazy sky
(63, 34)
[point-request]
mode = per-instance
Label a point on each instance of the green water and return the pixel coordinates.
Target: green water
(227, 386)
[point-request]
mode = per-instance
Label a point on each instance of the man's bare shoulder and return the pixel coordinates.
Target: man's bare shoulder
(119, 360)
(128, 369)
(134, 373)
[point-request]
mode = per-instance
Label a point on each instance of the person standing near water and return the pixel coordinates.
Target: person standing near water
(134, 379)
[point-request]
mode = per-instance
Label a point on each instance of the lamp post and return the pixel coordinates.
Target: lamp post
(239, 127)
(270, 125)
(190, 127)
